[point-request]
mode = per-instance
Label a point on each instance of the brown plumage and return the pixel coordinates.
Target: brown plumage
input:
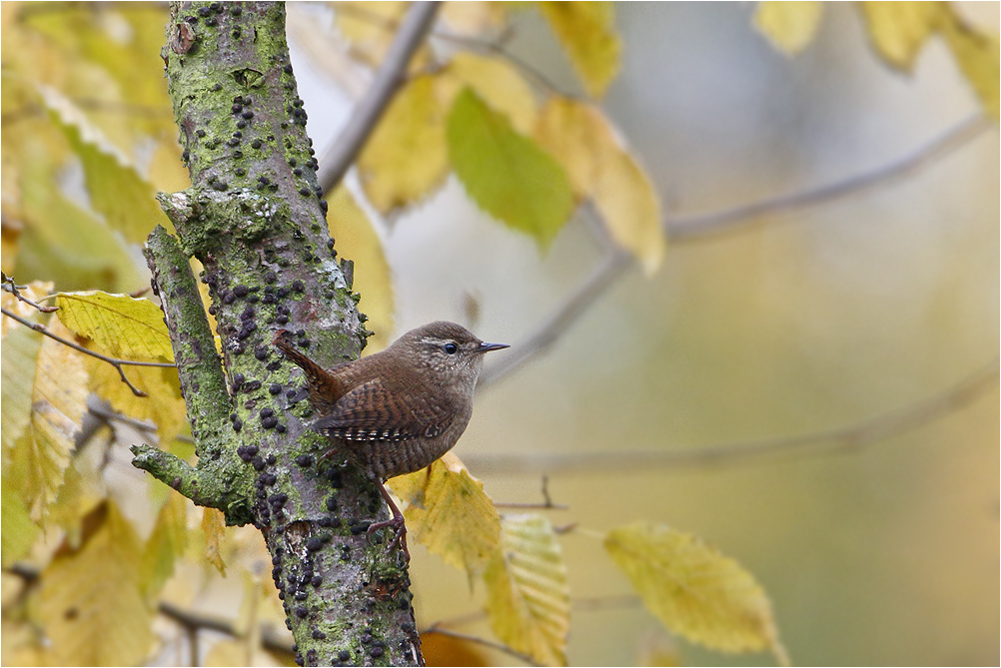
(400, 409)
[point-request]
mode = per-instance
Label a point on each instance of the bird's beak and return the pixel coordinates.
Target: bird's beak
(487, 347)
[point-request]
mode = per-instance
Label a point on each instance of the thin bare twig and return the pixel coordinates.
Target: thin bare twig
(9, 285)
(691, 227)
(593, 603)
(695, 226)
(574, 305)
(547, 503)
(496, 48)
(106, 414)
(113, 361)
(843, 439)
(500, 51)
(483, 641)
(389, 78)
(271, 638)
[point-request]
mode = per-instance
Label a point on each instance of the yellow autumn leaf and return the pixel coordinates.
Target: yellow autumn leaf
(898, 30)
(128, 328)
(528, 598)
(214, 526)
(581, 139)
(474, 18)
(449, 513)
(357, 240)
(20, 355)
(163, 403)
(370, 28)
(572, 132)
(977, 54)
(226, 652)
(629, 206)
(587, 32)
(79, 494)
(115, 188)
(165, 544)
(91, 604)
(406, 159)
(119, 325)
(694, 590)
(35, 291)
(789, 26)
(50, 378)
(499, 84)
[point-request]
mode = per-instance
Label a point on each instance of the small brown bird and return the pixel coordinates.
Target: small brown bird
(400, 409)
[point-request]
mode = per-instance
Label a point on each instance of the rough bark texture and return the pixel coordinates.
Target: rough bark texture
(254, 217)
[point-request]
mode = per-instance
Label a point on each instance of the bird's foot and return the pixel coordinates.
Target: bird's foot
(396, 521)
(399, 531)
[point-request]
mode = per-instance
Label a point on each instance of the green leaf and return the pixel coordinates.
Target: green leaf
(789, 26)
(119, 325)
(498, 83)
(527, 591)
(506, 173)
(694, 590)
(587, 32)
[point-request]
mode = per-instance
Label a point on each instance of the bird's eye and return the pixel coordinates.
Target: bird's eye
(451, 348)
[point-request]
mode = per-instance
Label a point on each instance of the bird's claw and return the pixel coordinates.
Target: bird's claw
(399, 530)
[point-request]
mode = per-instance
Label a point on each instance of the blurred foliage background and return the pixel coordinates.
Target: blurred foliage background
(787, 324)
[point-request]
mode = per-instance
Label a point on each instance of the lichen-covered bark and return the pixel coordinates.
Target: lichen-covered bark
(255, 218)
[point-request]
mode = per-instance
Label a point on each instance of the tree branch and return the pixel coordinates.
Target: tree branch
(254, 217)
(390, 77)
(844, 439)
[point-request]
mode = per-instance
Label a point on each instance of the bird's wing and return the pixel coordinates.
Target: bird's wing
(370, 412)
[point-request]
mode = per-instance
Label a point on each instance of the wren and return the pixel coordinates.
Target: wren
(398, 410)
